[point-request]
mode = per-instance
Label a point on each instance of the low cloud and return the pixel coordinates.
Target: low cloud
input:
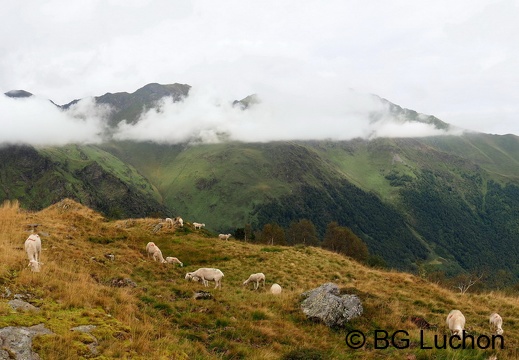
(206, 117)
(39, 122)
(317, 115)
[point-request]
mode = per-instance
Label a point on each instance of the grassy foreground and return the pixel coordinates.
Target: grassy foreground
(159, 319)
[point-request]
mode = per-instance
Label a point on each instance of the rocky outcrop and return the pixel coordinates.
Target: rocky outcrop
(16, 342)
(327, 305)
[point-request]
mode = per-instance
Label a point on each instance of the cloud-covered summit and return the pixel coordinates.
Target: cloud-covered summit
(178, 113)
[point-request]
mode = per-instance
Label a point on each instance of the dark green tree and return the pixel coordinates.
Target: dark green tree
(302, 232)
(342, 240)
(272, 234)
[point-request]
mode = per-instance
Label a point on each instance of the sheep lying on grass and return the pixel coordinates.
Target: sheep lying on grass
(173, 260)
(205, 275)
(275, 289)
(33, 250)
(256, 279)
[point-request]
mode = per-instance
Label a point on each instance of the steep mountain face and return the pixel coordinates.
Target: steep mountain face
(447, 203)
(40, 177)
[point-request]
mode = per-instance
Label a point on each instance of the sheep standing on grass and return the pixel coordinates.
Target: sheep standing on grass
(496, 324)
(173, 260)
(205, 275)
(179, 221)
(275, 289)
(256, 279)
(154, 251)
(198, 225)
(456, 323)
(33, 250)
(224, 236)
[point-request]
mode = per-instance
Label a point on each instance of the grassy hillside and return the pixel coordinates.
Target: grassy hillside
(220, 184)
(412, 200)
(159, 319)
(40, 177)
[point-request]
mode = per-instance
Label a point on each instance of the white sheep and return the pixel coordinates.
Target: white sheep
(154, 251)
(275, 289)
(496, 324)
(150, 248)
(169, 221)
(198, 225)
(206, 275)
(224, 236)
(178, 220)
(33, 250)
(173, 260)
(456, 323)
(256, 279)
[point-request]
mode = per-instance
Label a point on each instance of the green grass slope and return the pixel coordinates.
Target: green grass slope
(159, 319)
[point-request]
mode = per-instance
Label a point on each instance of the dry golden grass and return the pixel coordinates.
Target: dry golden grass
(159, 319)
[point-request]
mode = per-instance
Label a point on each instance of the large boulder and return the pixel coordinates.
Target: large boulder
(16, 342)
(327, 305)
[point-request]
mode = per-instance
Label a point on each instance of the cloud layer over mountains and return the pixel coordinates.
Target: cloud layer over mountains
(205, 117)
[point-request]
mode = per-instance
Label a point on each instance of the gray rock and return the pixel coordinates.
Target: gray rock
(16, 342)
(84, 328)
(87, 329)
(203, 295)
(18, 304)
(327, 305)
(119, 282)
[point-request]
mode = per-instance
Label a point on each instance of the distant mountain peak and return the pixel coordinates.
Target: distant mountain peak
(247, 101)
(18, 94)
(129, 106)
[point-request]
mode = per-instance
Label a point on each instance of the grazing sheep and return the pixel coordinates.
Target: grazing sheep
(256, 279)
(155, 252)
(496, 324)
(456, 323)
(275, 289)
(224, 236)
(206, 274)
(178, 220)
(173, 260)
(33, 250)
(169, 221)
(198, 225)
(150, 248)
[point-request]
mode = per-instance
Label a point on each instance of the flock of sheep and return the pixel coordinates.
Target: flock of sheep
(455, 319)
(456, 323)
(204, 275)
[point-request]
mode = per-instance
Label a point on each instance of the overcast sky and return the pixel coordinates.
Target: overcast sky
(455, 59)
